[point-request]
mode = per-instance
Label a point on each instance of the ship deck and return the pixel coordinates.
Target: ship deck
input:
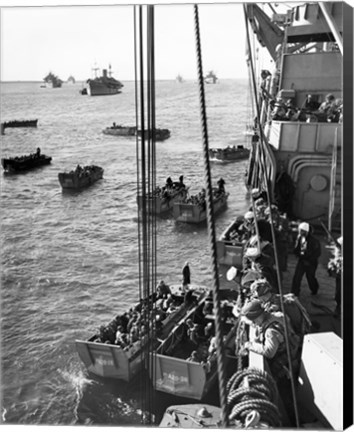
(322, 305)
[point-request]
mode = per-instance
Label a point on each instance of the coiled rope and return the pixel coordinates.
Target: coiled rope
(252, 391)
(211, 226)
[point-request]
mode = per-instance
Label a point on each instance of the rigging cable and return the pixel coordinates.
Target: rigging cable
(142, 203)
(152, 186)
(147, 179)
(138, 189)
(286, 333)
(211, 227)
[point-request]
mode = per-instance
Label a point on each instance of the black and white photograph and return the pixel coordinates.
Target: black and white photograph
(176, 215)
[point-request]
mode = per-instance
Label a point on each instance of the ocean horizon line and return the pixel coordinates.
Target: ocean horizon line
(123, 80)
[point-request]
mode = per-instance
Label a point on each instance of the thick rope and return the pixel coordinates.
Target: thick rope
(286, 332)
(260, 394)
(211, 227)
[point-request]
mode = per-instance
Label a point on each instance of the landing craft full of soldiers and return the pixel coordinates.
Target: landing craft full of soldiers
(255, 336)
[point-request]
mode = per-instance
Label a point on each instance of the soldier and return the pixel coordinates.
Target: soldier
(270, 337)
(186, 274)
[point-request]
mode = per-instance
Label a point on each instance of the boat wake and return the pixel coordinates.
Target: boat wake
(79, 382)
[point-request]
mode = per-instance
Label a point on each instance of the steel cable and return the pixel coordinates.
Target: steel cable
(146, 174)
(211, 226)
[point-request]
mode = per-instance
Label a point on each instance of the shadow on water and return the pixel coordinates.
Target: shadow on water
(23, 173)
(114, 402)
(78, 191)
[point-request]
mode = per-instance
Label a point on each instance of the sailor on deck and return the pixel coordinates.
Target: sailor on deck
(308, 250)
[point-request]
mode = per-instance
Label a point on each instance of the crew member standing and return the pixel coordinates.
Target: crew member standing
(186, 273)
(308, 250)
(221, 184)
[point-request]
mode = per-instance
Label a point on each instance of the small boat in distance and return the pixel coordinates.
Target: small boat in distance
(17, 124)
(52, 81)
(25, 163)
(80, 178)
(117, 350)
(119, 130)
(179, 78)
(159, 134)
(103, 85)
(20, 123)
(229, 153)
(210, 78)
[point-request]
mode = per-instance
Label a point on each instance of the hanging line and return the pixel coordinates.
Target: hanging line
(138, 188)
(286, 333)
(211, 229)
(146, 160)
(140, 154)
(151, 142)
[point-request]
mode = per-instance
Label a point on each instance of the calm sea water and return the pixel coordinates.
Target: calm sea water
(69, 261)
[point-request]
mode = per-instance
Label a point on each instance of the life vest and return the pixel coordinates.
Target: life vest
(280, 359)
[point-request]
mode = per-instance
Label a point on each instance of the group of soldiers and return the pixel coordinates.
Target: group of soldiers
(331, 110)
(200, 198)
(84, 171)
(259, 303)
(127, 328)
(169, 189)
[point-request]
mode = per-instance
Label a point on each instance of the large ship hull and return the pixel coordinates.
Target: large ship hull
(303, 153)
(101, 89)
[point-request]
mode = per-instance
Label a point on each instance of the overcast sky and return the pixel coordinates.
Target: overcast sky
(71, 40)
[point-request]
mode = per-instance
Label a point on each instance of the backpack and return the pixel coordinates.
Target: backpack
(279, 363)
